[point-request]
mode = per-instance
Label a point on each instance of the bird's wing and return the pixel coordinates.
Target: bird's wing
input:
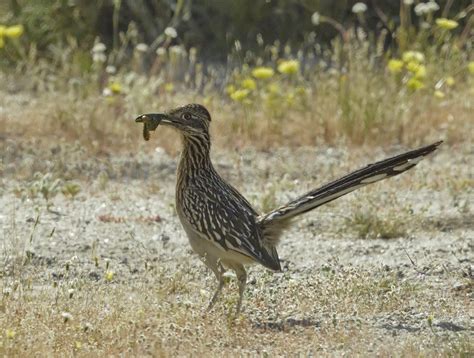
(228, 223)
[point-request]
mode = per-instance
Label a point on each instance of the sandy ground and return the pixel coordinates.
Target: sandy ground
(124, 215)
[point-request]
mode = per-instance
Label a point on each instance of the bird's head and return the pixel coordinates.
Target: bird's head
(190, 120)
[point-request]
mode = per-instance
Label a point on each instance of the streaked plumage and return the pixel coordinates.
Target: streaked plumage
(221, 225)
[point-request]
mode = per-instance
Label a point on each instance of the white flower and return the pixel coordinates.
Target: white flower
(316, 19)
(110, 69)
(176, 50)
(161, 51)
(99, 57)
(171, 32)
(99, 47)
(408, 2)
(420, 9)
(107, 92)
(432, 6)
(425, 8)
(141, 47)
(359, 8)
(425, 25)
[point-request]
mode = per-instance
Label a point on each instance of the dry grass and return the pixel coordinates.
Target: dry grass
(105, 125)
(158, 312)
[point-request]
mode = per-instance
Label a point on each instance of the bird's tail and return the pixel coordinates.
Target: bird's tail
(275, 220)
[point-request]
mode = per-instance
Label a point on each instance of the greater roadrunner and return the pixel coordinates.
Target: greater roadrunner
(222, 227)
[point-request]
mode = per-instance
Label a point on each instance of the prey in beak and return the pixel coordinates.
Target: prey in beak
(150, 122)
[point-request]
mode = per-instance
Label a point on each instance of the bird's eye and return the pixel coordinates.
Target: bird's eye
(187, 116)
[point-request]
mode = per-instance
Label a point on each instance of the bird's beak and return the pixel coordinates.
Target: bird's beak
(151, 121)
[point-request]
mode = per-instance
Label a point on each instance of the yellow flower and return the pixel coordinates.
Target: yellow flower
(207, 100)
(239, 95)
(230, 89)
(438, 94)
(300, 91)
(169, 87)
(249, 84)
(10, 333)
(395, 66)
(470, 67)
(109, 275)
(115, 87)
(288, 67)
(2, 30)
(413, 56)
(415, 84)
(14, 32)
(273, 88)
(412, 66)
(446, 24)
(450, 81)
(421, 72)
(263, 73)
(418, 70)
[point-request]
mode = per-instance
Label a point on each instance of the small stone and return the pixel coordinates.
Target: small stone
(459, 286)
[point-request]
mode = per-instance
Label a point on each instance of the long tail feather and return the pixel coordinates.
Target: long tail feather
(370, 174)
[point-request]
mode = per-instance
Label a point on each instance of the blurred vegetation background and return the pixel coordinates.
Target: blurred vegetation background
(211, 26)
(359, 71)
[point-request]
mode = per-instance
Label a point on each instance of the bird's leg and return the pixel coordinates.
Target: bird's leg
(242, 281)
(216, 294)
(218, 270)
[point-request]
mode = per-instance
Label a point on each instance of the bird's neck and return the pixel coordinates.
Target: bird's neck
(195, 155)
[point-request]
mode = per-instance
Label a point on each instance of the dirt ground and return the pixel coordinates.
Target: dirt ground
(384, 271)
